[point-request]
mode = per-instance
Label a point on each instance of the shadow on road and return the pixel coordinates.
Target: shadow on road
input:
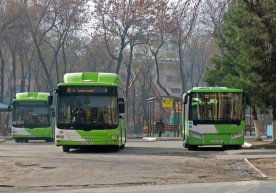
(155, 151)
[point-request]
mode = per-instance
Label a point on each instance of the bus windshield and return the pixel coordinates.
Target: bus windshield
(223, 107)
(87, 112)
(29, 116)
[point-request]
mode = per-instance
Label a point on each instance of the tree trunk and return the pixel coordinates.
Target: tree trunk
(257, 124)
(134, 112)
(144, 103)
(158, 74)
(48, 76)
(56, 63)
(2, 71)
(129, 65)
(64, 58)
(274, 122)
(23, 83)
(29, 78)
(13, 91)
(119, 61)
(182, 76)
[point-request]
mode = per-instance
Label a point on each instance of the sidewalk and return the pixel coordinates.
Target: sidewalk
(251, 142)
(4, 138)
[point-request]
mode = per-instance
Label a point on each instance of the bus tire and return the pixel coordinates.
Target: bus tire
(123, 146)
(65, 149)
(49, 140)
(191, 147)
(185, 145)
(116, 147)
(225, 147)
(237, 147)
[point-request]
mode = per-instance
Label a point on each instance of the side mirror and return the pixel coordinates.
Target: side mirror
(185, 98)
(50, 100)
(121, 103)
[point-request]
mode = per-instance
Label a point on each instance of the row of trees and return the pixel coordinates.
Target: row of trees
(247, 41)
(42, 40)
(38, 42)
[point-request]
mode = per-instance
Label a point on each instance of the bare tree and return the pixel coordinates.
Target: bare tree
(96, 56)
(158, 35)
(212, 16)
(10, 13)
(71, 15)
(184, 14)
(2, 70)
(42, 17)
(200, 48)
(120, 21)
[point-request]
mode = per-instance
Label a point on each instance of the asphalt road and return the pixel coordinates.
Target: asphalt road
(142, 166)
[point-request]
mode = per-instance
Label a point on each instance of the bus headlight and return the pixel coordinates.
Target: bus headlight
(196, 134)
(237, 134)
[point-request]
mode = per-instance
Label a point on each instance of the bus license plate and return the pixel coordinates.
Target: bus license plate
(216, 140)
(86, 143)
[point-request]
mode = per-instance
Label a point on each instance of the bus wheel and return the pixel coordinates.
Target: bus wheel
(17, 140)
(123, 146)
(225, 147)
(191, 147)
(49, 140)
(116, 147)
(65, 149)
(237, 146)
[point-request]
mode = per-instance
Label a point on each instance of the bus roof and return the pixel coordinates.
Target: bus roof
(39, 96)
(90, 78)
(214, 89)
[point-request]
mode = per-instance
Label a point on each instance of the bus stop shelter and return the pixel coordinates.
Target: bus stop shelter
(163, 116)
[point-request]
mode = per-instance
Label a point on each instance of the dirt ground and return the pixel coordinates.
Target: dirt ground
(38, 173)
(266, 166)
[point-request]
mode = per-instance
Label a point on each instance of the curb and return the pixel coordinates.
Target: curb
(269, 145)
(266, 146)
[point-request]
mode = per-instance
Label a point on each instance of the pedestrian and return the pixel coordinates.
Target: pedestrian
(160, 127)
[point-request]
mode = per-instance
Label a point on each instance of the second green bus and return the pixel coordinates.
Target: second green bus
(31, 117)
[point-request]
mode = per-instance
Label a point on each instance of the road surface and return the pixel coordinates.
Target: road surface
(39, 166)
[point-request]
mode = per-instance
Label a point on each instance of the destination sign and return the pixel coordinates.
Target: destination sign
(95, 90)
(30, 103)
(86, 90)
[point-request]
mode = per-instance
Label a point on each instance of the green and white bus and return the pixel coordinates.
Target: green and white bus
(31, 117)
(213, 116)
(90, 111)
